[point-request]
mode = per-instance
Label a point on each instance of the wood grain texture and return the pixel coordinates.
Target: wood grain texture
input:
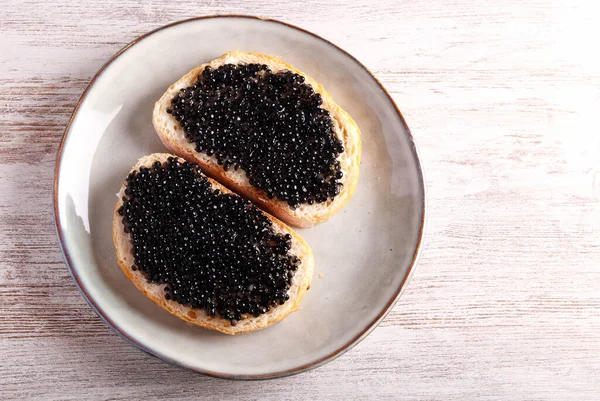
(502, 98)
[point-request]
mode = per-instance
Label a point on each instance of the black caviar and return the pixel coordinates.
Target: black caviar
(271, 125)
(214, 251)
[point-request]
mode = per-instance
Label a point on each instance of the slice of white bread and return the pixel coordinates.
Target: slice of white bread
(300, 282)
(172, 135)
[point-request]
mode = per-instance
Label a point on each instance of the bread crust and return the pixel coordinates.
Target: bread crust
(172, 136)
(300, 283)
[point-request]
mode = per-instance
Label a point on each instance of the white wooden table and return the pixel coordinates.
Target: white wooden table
(503, 99)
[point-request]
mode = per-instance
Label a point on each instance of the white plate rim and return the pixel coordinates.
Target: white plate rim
(156, 353)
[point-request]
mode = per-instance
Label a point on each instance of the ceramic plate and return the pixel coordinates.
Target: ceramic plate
(363, 256)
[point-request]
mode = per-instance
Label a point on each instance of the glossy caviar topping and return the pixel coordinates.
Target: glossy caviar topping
(271, 125)
(213, 251)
